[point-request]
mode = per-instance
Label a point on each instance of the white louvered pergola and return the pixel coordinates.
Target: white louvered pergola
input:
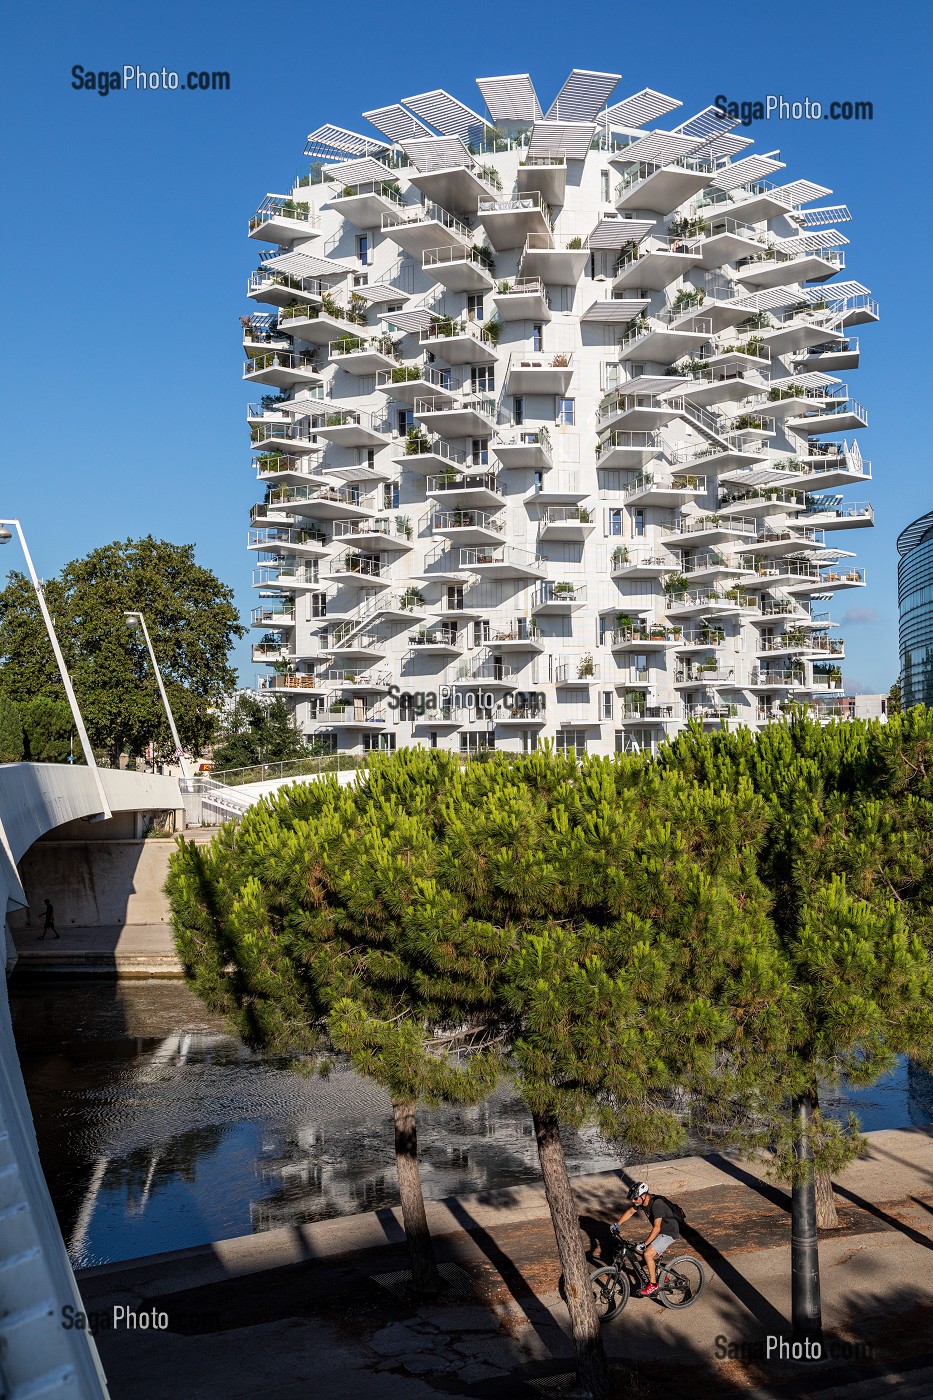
(437, 153)
(572, 139)
(615, 232)
(827, 214)
(743, 172)
(614, 310)
(359, 172)
(328, 141)
(801, 192)
(639, 109)
(397, 123)
(583, 96)
(511, 99)
(306, 265)
(657, 148)
(447, 114)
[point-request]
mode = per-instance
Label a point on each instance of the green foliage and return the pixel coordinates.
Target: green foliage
(192, 622)
(11, 731)
(48, 727)
(258, 731)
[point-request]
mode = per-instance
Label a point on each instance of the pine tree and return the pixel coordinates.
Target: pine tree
(11, 731)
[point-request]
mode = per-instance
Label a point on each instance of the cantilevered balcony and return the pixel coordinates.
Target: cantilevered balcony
(634, 412)
(316, 324)
(839, 416)
(796, 328)
(477, 490)
(799, 642)
(459, 269)
(520, 635)
(704, 673)
(285, 540)
(282, 369)
(556, 262)
(318, 502)
(365, 204)
(281, 289)
(630, 561)
(421, 227)
(656, 263)
(642, 636)
(350, 714)
(776, 268)
(509, 222)
(443, 640)
(282, 220)
(829, 464)
(831, 355)
(267, 652)
(287, 576)
(662, 188)
(278, 614)
(566, 523)
(662, 339)
(622, 449)
(539, 374)
(546, 173)
(836, 514)
(406, 383)
(530, 448)
(664, 489)
(694, 531)
(459, 342)
(362, 570)
(522, 300)
(753, 202)
(283, 469)
(727, 239)
(709, 602)
(271, 433)
(777, 678)
(433, 456)
(385, 533)
(350, 427)
(558, 599)
(364, 355)
(467, 526)
(457, 186)
(501, 561)
(472, 416)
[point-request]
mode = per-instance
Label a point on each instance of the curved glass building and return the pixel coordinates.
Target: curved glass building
(915, 605)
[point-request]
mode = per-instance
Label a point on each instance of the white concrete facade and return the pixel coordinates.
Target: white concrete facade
(559, 440)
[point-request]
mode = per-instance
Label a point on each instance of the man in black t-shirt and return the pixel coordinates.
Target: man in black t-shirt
(665, 1229)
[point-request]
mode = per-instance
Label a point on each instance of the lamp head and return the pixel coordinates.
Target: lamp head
(132, 620)
(5, 535)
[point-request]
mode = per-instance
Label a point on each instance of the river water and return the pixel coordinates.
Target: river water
(157, 1130)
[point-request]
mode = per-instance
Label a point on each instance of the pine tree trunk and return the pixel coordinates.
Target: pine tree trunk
(806, 1308)
(592, 1371)
(827, 1217)
(424, 1276)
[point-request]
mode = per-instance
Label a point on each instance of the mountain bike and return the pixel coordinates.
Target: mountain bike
(680, 1280)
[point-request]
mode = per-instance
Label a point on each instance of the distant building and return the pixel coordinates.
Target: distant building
(915, 605)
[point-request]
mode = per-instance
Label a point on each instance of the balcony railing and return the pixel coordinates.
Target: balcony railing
(452, 481)
(483, 404)
(378, 187)
(677, 482)
(560, 593)
(466, 519)
(262, 279)
(583, 670)
(423, 214)
(357, 564)
(279, 359)
(519, 203)
(438, 257)
(644, 169)
(567, 515)
(644, 441)
(524, 287)
(280, 207)
(391, 529)
(418, 446)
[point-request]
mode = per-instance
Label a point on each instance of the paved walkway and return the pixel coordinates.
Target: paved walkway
(315, 1308)
(128, 950)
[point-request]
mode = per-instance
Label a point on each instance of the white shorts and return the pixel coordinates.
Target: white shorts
(660, 1243)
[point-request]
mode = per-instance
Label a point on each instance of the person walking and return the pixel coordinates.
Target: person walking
(49, 925)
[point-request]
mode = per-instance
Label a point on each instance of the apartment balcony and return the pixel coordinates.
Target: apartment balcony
(443, 717)
(438, 641)
(732, 384)
(522, 300)
(558, 599)
(282, 220)
(273, 615)
(793, 574)
(381, 534)
(260, 335)
(539, 374)
(279, 434)
(283, 469)
(316, 324)
(558, 264)
(629, 562)
(557, 489)
(621, 449)
(829, 464)
(841, 416)
(358, 570)
(859, 310)
(364, 356)
(797, 642)
(774, 268)
(265, 514)
(754, 202)
(282, 369)
(364, 649)
(366, 682)
(752, 424)
(459, 269)
(472, 416)
(546, 173)
(831, 355)
(572, 674)
(422, 227)
(642, 637)
(509, 222)
(477, 491)
(798, 328)
(265, 653)
(663, 489)
(710, 674)
(787, 400)
(433, 456)
(710, 713)
(495, 674)
(321, 502)
(519, 636)
(364, 205)
(286, 539)
(467, 526)
(761, 501)
(766, 679)
(660, 189)
(795, 540)
(351, 428)
(694, 531)
(636, 412)
(738, 454)
(281, 289)
(658, 340)
(502, 561)
(452, 186)
(700, 639)
(566, 523)
(636, 711)
(656, 263)
(826, 681)
(458, 342)
(406, 383)
(351, 714)
(523, 449)
(287, 577)
(733, 602)
(526, 716)
(850, 515)
(727, 240)
(836, 579)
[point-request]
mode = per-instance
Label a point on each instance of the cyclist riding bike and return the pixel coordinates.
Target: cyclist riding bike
(665, 1229)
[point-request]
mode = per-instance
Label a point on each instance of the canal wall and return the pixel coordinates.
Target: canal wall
(95, 883)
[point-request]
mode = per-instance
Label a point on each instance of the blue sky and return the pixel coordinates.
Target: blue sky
(127, 258)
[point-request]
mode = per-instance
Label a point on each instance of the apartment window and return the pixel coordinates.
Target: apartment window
(406, 708)
(475, 305)
(529, 741)
(604, 192)
(480, 632)
(640, 666)
(571, 741)
(566, 412)
(454, 596)
(615, 520)
(370, 457)
(482, 379)
(538, 481)
(608, 376)
(404, 418)
(606, 704)
(390, 496)
(518, 411)
(364, 249)
(537, 338)
(318, 605)
(638, 524)
(476, 743)
(433, 738)
(479, 453)
(379, 743)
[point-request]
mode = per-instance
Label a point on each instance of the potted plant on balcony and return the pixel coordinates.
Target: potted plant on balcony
(560, 361)
(575, 243)
(564, 589)
(492, 331)
(584, 515)
(404, 526)
(676, 583)
(623, 621)
(416, 439)
(543, 437)
(586, 667)
(619, 555)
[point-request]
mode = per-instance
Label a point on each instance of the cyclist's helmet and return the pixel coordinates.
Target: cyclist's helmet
(639, 1189)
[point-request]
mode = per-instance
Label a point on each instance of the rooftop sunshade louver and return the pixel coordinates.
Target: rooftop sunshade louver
(583, 96)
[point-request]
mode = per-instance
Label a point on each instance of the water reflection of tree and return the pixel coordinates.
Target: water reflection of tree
(145, 1171)
(919, 1095)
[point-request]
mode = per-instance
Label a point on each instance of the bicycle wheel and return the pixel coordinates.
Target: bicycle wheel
(683, 1284)
(610, 1291)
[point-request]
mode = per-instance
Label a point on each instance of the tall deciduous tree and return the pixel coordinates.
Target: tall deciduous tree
(191, 619)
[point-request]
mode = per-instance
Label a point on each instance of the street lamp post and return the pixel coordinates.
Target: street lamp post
(136, 619)
(5, 537)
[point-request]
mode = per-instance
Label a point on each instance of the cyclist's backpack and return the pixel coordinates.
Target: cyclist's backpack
(678, 1212)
